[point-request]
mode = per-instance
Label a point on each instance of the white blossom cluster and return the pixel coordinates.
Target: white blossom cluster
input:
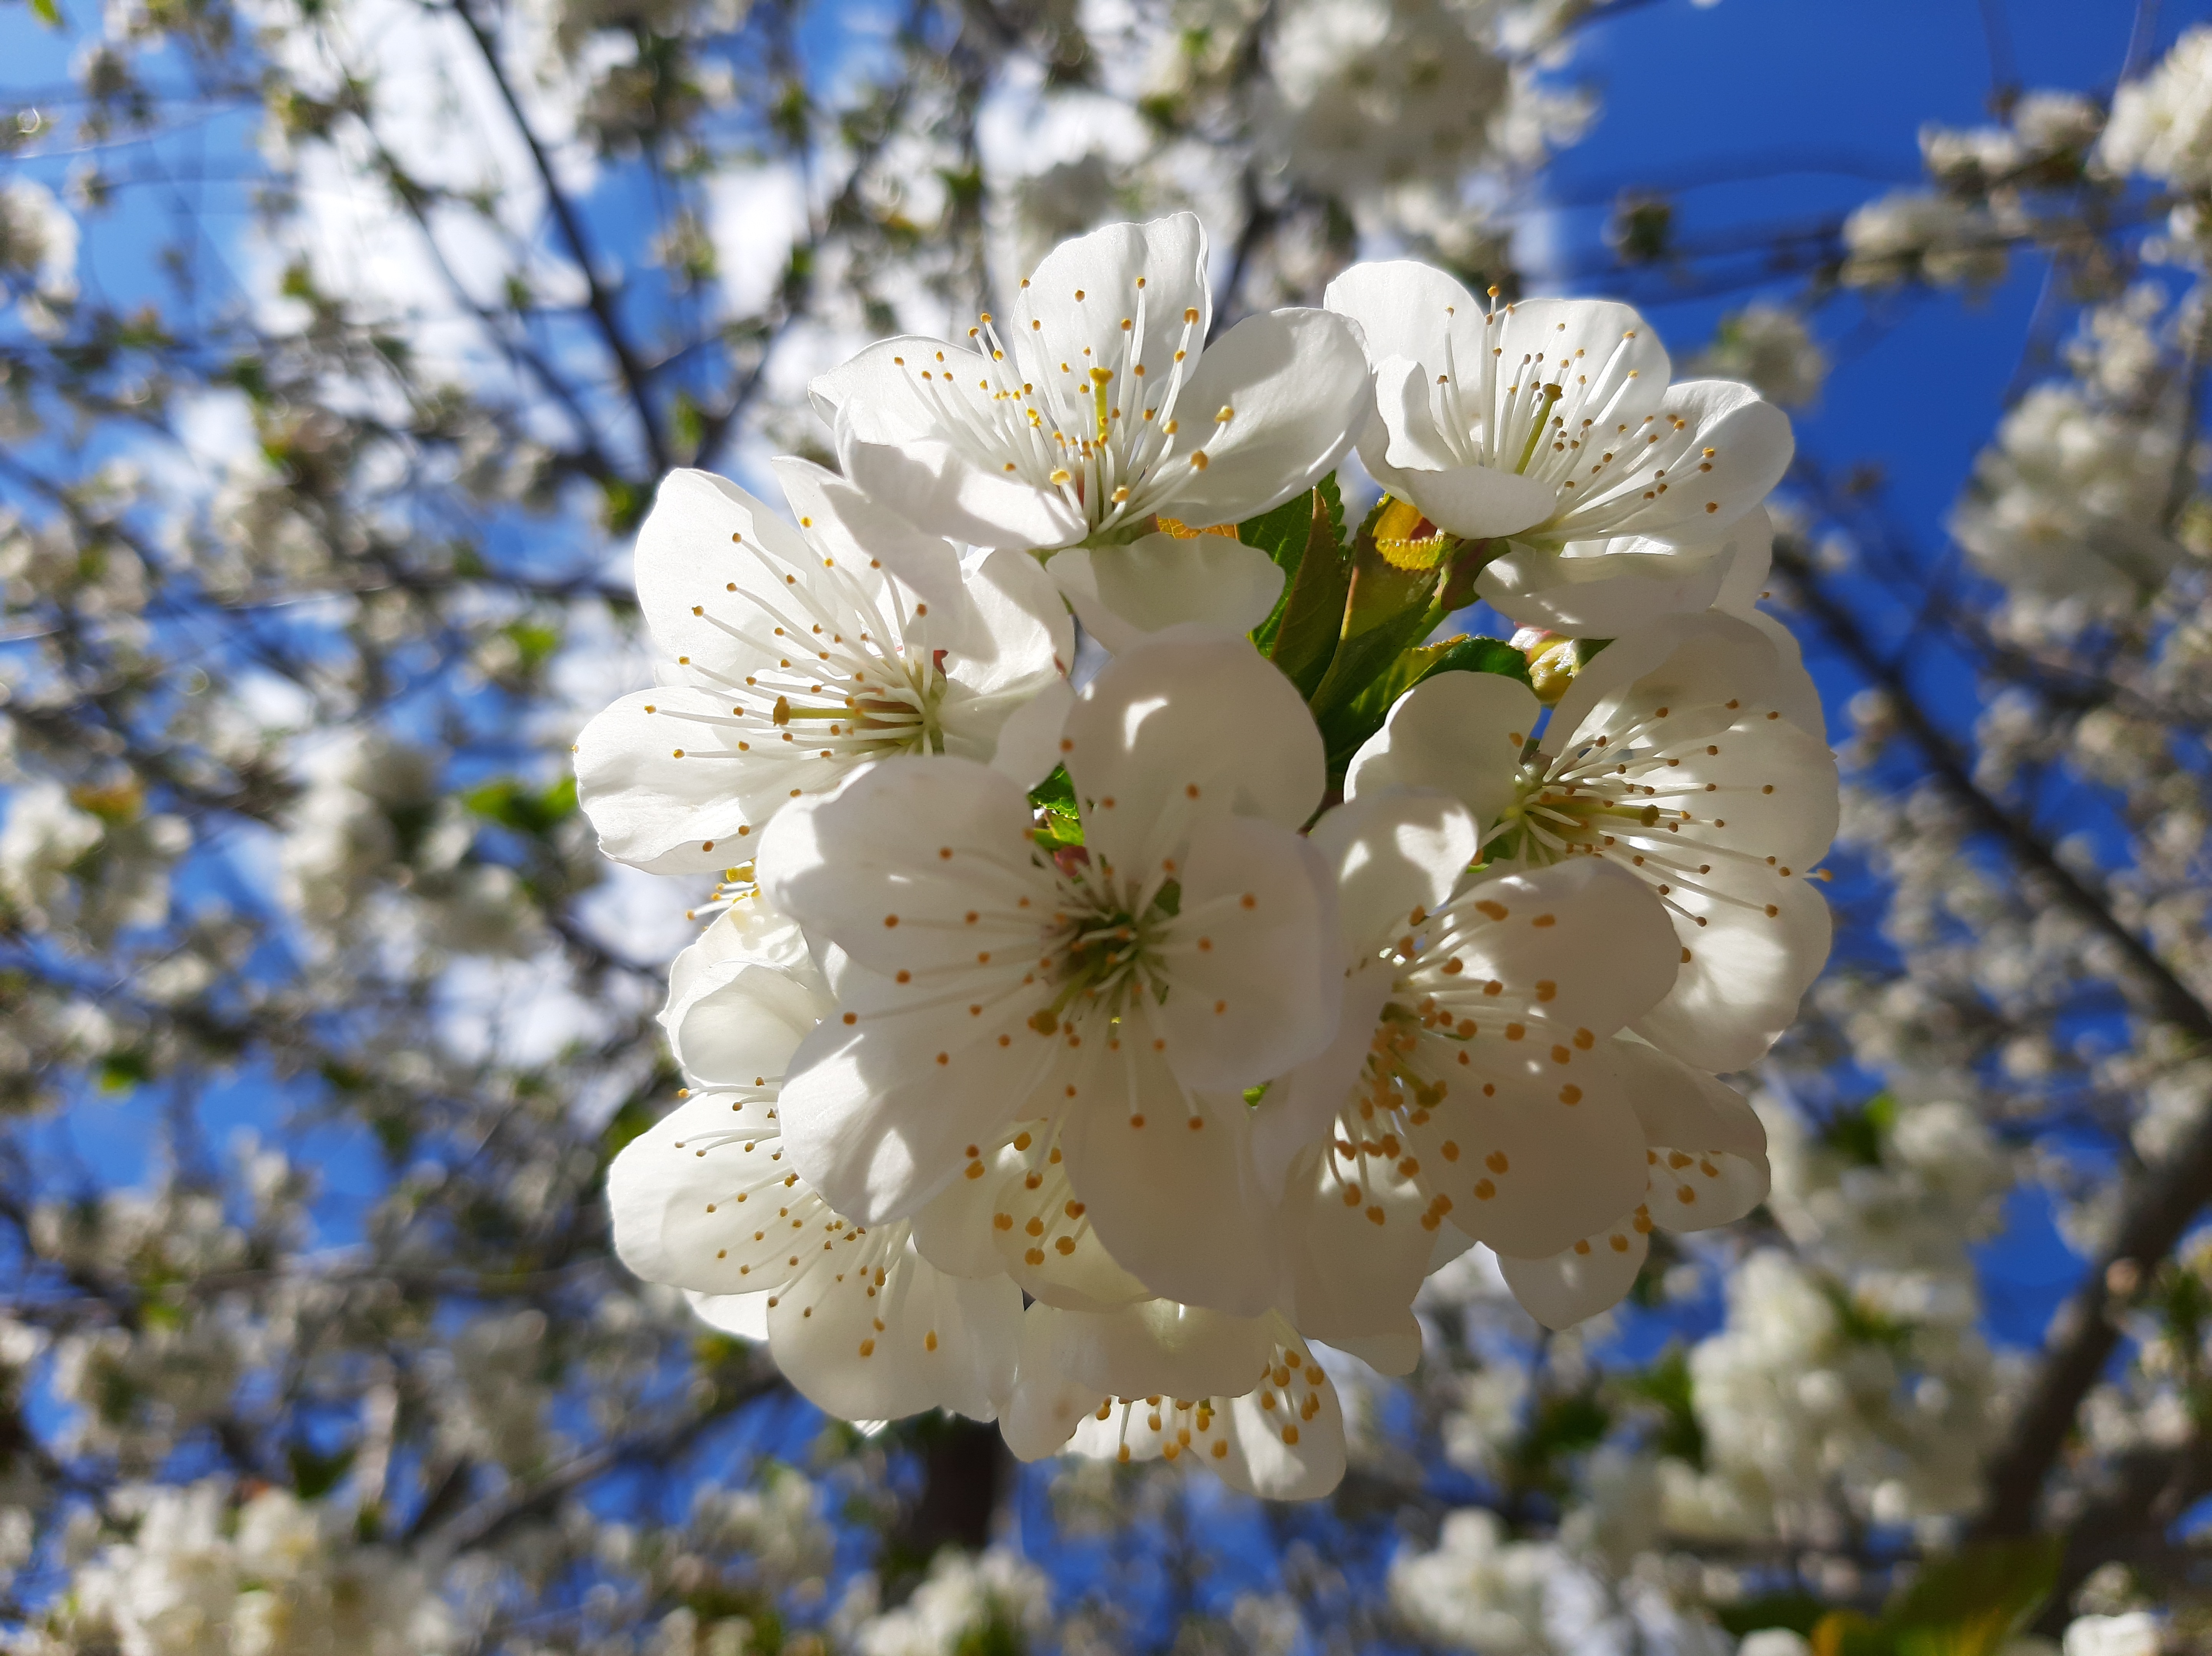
(1206, 1073)
(312, 571)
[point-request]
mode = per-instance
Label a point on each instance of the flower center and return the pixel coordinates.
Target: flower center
(1104, 947)
(1558, 816)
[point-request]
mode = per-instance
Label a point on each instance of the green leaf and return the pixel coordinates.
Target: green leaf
(1054, 798)
(123, 1069)
(1303, 641)
(1973, 1603)
(527, 810)
(314, 1475)
(47, 13)
(1667, 1384)
(1386, 609)
(1283, 534)
(1848, 1633)
(1800, 1612)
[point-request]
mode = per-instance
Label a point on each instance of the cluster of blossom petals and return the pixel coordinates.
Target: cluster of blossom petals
(1116, 1059)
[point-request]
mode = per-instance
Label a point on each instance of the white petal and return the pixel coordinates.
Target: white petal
(1748, 573)
(868, 1347)
(1298, 1109)
(1412, 439)
(739, 1023)
(1606, 357)
(1253, 959)
(1392, 853)
(1459, 733)
(943, 491)
(744, 1315)
(1590, 1275)
(1477, 503)
(1042, 1236)
(1747, 972)
(1029, 741)
(1593, 930)
(1525, 1169)
(1356, 1238)
(1295, 386)
(953, 1229)
(751, 929)
(695, 1199)
(1676, 661)
(1689, 1109)
(1188, 724)
(1170, 1187)
(1403, 309)
(880, 1117)
(1161, 262)
(1027, 639)
(1400, 1353)
(1750, 545)
(692, 544)
(1046, 1406)
(1158, 1346)
(857, 867)
(660, 788)
(1277, 1457)
(1752, 445)
(1122, 593)
(859, 533)
(1602, 589)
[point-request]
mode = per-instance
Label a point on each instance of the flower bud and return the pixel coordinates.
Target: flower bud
(1552, 660)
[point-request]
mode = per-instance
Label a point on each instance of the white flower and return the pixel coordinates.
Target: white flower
(1769, 346)
(2161, 124)
(2069, 500)
(793, 656)
(45, 837)
(1925, 234)
(706, 1199)
(1114, 1001)
(1671, 757)
(1473, 1077)
(1244, 1396)
(38, 252)
(1478, 1590)
(1551, 421)
(1360, 95)
(2135, 1634)
(962, 1603)
(1704, 1165)
(1102, 404)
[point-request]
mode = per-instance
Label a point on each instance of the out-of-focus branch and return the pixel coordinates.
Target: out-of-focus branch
(2158, 1205)
(486, 1520)
(598, 299)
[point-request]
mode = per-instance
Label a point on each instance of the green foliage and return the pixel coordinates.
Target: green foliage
(124, 1070)
(1667, 1384)
(1970, 1604)
(1857, 1135)
(1055, 800)
(1302, 639)
(316, 1475)
(1283, 534)
(512, 804)
(1800, 1612)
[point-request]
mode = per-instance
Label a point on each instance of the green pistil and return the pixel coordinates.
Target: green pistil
(1552, 395)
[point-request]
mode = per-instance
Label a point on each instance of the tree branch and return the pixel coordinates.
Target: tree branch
(2157, 1205)
(598, 299)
